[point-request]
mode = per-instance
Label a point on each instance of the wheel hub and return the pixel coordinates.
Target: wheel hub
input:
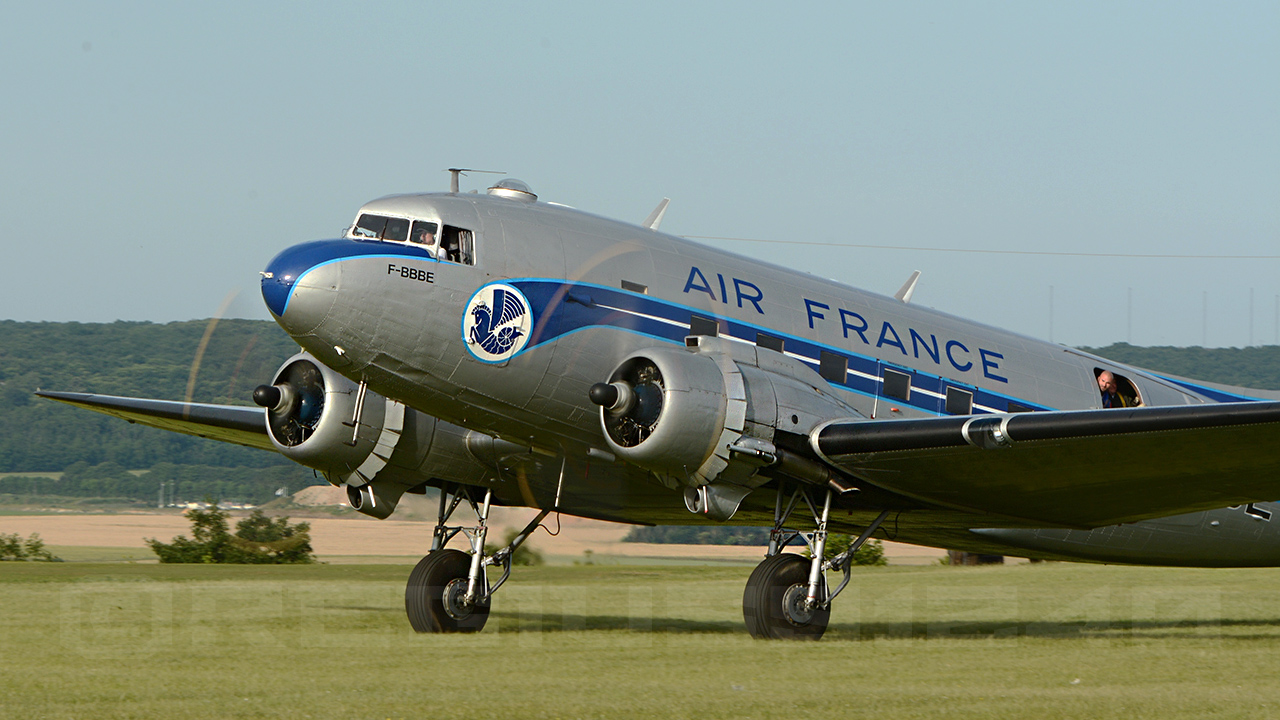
(455, 599)
(794, 606)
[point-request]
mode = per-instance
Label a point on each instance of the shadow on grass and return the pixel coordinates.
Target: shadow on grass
(1079, 630)
(857, 632)
(520, 622)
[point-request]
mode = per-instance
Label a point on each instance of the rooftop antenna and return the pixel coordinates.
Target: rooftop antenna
(455, 172)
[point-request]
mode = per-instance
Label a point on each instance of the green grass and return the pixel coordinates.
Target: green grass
(88, 553)
(1043, 641)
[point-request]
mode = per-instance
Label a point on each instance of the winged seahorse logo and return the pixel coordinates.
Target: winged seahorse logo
(496, 323)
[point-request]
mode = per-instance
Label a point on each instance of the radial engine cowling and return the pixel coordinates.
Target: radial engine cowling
(664, 410)
(706, 418)
(312, 419)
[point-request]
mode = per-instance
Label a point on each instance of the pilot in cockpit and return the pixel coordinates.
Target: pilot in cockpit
(448, 250)
(424, 233)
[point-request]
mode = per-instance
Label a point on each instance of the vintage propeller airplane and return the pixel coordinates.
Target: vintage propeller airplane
(510, 351)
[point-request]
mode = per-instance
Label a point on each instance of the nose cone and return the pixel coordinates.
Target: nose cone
(300, 284)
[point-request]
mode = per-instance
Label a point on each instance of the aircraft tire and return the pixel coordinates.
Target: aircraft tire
(764, 602)
(439, 576)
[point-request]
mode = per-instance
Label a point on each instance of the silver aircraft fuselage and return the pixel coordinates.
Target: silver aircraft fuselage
(420, 330)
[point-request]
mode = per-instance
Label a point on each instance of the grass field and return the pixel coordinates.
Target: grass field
(1046, 641)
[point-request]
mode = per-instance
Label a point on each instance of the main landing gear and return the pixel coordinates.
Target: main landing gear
(787, 595)
(449, 590)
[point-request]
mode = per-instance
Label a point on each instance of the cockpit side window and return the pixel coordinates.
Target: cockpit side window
(457, 245)
(423, 233)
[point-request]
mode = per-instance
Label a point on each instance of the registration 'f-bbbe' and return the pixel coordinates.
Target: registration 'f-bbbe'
(508, 351)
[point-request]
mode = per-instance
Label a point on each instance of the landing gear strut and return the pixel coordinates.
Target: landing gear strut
(449, 590)
(787, 595)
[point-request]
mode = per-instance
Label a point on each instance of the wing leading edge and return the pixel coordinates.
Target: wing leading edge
(1080, 469)
(228, 423)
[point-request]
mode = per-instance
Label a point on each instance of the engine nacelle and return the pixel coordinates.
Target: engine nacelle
(666, 412)
(312, 413)
(318, 418)
(374, 447)
(710, 413)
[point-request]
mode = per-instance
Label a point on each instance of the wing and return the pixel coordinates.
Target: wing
(1078, 468)
(228, 423)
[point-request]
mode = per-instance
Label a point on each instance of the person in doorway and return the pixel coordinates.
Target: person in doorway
(1111, 398)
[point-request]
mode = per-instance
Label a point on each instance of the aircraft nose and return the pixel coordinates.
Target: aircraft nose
(300, 285)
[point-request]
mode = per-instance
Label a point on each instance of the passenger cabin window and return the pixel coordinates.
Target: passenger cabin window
(833, 367)
(776, 344)
(897, 384)
(699, 325)
(959, 402)
(1117, 391)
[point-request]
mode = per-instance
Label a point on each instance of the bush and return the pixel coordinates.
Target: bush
(870, 554)
(699, 535)
(524, 555)
(258, 540)
(13, 547)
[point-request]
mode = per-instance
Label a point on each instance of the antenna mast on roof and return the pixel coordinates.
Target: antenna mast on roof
(455, 172)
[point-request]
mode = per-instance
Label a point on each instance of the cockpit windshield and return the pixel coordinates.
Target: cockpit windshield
(369, 226)
(381, 227)
(444, 242)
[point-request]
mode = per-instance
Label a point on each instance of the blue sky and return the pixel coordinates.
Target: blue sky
(156, 155)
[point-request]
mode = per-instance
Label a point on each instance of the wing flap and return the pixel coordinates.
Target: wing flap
(227, 423)
(1075, 469)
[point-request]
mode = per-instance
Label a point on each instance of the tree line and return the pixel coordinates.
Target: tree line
(182, 483)
(126, 358)
(1251, 367)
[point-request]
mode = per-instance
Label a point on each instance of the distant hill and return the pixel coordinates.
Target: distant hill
(1254, 367)
(126, 358)
(145, 360)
